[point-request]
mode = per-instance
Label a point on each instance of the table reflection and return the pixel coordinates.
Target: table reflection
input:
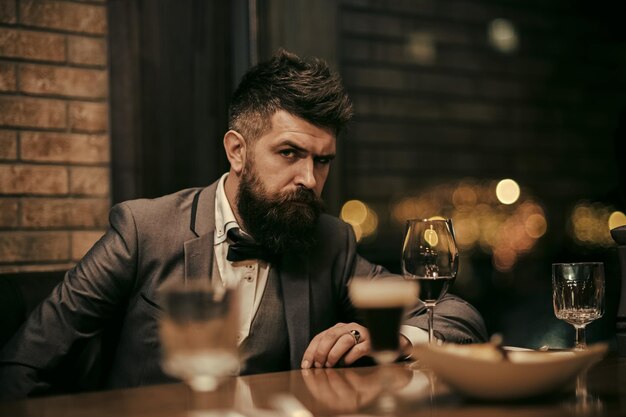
(354, 389)
(584, 402)
(339, 392)
(330, 391)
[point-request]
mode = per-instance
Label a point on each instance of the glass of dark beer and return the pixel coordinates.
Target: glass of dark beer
(381, 303)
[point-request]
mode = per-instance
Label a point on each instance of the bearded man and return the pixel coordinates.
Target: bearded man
(260, 227)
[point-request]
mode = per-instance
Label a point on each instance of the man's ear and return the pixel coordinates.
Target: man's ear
(235, 147)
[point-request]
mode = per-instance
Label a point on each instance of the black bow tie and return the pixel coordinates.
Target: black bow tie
(243, 247)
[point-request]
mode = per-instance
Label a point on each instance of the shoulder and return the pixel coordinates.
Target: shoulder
(178, 201)
(334, 235)
(169, 215)
(333, 226)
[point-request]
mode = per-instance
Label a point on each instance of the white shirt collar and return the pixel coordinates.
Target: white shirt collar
(224, 216)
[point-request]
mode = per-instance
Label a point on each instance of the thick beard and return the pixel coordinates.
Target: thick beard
(282, 223)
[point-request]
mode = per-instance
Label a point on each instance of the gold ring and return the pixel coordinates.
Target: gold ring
(356, 335)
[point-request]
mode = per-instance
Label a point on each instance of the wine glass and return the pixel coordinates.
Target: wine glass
(430, 256)
(198, 331)
(578, 295)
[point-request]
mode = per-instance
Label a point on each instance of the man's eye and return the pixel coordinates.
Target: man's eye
(288, 153)
(323, 161)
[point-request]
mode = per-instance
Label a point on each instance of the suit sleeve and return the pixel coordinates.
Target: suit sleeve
(75, 312)
(455, 321)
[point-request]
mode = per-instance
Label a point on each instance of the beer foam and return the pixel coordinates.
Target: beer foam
(384, 292)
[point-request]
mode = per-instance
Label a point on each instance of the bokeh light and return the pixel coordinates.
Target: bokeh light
(464, 198)
(617, 219)
(421, 47)
(354, 212)
(507, 191)
(591, 223)
(536, 225)
(361, 217)
(481, 221)
(502, 35)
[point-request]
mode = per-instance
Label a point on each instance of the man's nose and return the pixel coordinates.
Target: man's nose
(306, 174)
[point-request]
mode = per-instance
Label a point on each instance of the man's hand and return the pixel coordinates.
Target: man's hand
(331, 345)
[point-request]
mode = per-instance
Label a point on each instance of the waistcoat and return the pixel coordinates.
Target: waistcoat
(266, 349)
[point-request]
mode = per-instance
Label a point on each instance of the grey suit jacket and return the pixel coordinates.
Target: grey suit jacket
(151, 242)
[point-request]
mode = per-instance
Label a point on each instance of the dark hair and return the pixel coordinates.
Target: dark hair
(304, 88)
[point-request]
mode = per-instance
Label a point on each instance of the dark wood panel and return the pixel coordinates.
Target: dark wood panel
(170, 85)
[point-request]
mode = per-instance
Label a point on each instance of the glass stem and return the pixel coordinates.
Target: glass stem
(431, 312)
(581, 342)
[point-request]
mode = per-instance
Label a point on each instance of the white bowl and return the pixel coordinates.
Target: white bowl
(480, 371)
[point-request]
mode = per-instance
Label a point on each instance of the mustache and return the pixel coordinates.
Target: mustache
(302, 196)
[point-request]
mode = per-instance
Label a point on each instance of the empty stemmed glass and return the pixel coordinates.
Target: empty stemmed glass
(198, 331)
(578, 295)
(430, 256)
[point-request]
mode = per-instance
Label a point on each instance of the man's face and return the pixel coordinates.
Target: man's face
(285, 171)
(292, 154)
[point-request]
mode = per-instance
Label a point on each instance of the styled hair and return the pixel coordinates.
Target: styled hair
(305, 88)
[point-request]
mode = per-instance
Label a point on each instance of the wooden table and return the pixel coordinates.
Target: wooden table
(334, 392)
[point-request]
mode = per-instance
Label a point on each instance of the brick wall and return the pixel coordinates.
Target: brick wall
(54, 142)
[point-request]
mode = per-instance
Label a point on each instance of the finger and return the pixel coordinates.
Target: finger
(340, 348)
(308, 359)
(329, 340)
(358, 351)
(362, 348)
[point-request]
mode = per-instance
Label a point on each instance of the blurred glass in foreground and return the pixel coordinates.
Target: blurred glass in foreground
(199, 333)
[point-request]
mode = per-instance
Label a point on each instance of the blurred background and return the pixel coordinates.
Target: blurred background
(509, 116)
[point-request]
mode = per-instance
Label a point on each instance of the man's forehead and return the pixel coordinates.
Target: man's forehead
(286, 128)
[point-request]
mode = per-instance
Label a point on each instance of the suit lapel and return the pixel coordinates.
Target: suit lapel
(294, 279)
(199, 251)
(199, 257)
